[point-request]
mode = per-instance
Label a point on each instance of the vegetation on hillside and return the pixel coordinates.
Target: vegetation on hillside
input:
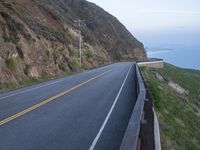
(38, 39)
(179, 115)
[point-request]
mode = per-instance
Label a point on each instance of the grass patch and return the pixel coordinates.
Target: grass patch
(179, 122)
(187, 78)
(29, 81)
(9, 85)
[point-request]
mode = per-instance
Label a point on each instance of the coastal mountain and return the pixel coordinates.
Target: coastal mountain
(39, 38)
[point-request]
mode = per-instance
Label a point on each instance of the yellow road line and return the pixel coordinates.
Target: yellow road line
(19, 114)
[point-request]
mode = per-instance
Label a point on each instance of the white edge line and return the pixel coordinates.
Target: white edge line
(28, 90)
(109, 114)
(14, 94)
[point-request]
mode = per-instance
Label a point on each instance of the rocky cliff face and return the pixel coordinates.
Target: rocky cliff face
(38, 38)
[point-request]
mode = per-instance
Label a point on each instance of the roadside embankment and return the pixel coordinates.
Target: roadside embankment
(178, 113)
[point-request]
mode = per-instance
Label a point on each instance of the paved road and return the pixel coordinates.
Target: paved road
(85, 111)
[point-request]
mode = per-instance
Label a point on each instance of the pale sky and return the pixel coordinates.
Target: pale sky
(169, 28)
(147, 16)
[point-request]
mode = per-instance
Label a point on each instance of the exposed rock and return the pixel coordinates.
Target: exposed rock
(178, 88)
(180, 121)
(33, 72)
(159, 76)
(42, 38)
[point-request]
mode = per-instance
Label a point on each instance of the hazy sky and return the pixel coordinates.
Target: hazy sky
(147, 16)
(168, 28)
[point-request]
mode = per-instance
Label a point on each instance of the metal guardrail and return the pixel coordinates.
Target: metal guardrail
(152, 60)
(131, 140)
(155, 59)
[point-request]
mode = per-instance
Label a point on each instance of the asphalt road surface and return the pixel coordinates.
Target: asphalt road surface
(85, 111)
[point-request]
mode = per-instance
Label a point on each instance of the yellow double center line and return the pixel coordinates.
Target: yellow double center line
(19, 114)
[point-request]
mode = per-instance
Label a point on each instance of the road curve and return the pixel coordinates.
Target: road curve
(86, 111)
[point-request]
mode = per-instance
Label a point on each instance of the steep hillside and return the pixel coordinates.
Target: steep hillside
(178, 114)
(38, 38)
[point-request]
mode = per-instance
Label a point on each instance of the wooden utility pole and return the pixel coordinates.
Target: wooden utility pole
(79, 24)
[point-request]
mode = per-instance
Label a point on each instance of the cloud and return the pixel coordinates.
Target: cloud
(181, 27)
(158, 50)
(177, 12)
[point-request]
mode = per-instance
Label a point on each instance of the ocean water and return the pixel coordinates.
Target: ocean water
(185, 57)
(179, 48)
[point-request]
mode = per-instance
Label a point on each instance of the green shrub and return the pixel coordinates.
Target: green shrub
(88, 53)
(73, 52)
(63, 66)
(9, 85)
(26, 69)
(9, 4)
(11, 64)
(29, 81)
(74, 64)
(12, 6)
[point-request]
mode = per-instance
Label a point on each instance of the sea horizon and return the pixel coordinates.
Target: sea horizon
(184, 58)
(181, 49)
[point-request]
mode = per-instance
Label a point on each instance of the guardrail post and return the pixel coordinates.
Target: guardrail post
(147, 130)
(139, 144)
(143, 121)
